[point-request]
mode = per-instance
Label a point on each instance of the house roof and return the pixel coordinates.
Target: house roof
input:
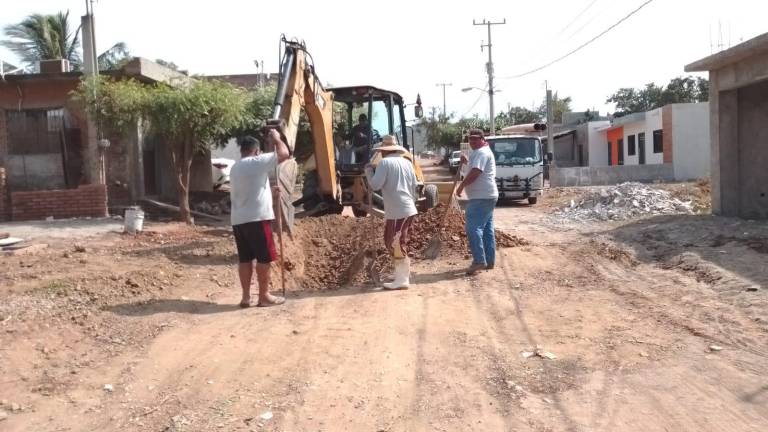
(757, 45)
(139, 68)
(246, 80)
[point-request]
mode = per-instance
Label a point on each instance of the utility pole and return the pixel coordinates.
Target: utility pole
(489, 68)
(444, 85)
(550, 123)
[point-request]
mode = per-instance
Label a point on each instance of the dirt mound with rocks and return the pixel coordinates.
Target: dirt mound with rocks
(334, 251)
(625, 201)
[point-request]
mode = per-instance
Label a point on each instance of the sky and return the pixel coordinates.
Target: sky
(411, 46)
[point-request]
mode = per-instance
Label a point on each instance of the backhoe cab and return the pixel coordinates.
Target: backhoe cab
(362, 116)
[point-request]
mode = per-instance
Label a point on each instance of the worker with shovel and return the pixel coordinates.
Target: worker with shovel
(252, 214)
(480, 185)
(395, 177)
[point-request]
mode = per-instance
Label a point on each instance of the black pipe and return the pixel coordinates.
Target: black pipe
(282, 87)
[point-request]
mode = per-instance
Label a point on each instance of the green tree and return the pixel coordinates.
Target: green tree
(678, 90)
(49, 37)
(522, 115)
(44, 37)
(189, 118)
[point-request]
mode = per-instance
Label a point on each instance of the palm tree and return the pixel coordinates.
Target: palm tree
(47, 37)
(44, 37)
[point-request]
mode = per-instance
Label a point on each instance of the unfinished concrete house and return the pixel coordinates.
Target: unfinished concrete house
(738, 105)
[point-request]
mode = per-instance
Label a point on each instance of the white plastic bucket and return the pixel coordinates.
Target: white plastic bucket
(134, 220)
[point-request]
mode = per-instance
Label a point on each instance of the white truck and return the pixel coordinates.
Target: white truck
(519, 166)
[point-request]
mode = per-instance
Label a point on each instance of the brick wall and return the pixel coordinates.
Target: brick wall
(3, 137)
(3, 197)
(87, 200)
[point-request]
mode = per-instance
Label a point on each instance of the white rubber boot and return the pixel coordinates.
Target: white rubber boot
(402, 275)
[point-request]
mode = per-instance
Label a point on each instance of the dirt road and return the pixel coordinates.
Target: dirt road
(635, 314)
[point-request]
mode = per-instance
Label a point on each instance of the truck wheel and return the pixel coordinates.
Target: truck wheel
(533, 200)
(430, 193)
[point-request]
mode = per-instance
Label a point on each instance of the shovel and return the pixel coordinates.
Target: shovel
(372, 273)
(432, 251)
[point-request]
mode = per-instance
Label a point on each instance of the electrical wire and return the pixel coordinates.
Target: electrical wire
(483, 93)
(580, 47)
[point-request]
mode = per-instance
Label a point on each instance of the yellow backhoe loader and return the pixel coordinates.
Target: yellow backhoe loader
(332, 164)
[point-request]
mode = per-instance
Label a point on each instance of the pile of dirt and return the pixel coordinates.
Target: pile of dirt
(334, 251)
(427, 225)
(452, 234)
(504, 240)
(699, 193)
(625, 201)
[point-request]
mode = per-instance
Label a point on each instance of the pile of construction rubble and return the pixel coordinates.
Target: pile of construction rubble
(625, 201)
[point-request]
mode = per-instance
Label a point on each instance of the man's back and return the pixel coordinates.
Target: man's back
(250, 193)
(399, 187)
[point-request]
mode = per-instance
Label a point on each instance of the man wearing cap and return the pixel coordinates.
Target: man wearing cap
(480, 185)
(395, 177)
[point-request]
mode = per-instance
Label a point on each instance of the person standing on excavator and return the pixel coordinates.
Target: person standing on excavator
(252, 214)
(395, 177)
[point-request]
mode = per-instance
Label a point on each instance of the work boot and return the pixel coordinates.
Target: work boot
(474, 268)
(402, 275)
(490, 266)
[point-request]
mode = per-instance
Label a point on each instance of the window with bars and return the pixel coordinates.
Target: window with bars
(35, 131)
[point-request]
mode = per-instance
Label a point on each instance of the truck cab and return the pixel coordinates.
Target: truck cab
(519, 166)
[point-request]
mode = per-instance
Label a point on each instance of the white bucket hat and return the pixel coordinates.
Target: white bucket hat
(389, 143)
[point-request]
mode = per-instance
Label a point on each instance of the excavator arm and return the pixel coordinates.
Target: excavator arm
(299, 89)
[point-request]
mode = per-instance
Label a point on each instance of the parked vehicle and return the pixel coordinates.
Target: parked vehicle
(454, 161)
(221, 168)
(519, 166)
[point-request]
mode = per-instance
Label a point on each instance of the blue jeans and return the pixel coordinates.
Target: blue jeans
(480, 232)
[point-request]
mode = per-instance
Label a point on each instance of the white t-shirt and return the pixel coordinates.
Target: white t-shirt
(250, 192)
(396, 179)
(484, 187)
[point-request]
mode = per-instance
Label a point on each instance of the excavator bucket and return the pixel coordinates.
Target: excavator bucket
(287, 172)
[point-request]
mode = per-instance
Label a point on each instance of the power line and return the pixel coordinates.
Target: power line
(592, 3)
(580, 47)
(483, 93)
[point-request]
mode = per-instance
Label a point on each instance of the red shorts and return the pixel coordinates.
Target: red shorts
(254, 242)
(392, 227)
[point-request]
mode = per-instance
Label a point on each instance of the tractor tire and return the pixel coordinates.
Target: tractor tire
(431, 194)
(533, 200)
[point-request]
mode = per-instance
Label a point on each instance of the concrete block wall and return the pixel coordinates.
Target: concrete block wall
(609, 175)
(85, 201)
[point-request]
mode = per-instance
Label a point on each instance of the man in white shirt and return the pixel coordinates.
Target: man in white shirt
(480, 185)
(252, 214)
(396, 178)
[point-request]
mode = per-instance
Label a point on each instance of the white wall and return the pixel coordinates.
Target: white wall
(690, 140)
(652, 122)
(634, 129)
(597, 143)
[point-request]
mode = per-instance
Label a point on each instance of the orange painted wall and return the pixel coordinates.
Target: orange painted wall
(614, 135)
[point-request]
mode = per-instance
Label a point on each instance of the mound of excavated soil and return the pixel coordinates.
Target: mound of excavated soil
(334, 251)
